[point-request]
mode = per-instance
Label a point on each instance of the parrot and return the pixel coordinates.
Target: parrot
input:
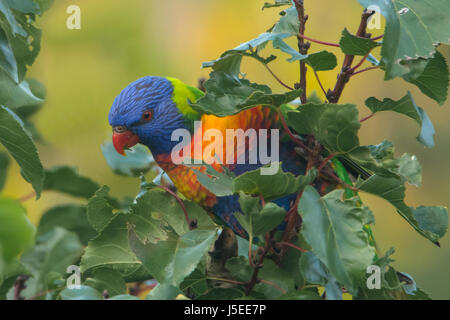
(151, 108)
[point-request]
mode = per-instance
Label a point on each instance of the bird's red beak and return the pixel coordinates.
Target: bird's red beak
(124, 140)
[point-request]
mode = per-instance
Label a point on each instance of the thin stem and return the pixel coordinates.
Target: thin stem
(278, 79)
(318, 41)
(270, 283)
(365, 69)
(367, 118)
(27, 197)
(288, 244)
(226, 280)
(377, 38)
(192, 224)
(359, 64)
(289, 132)
(320, 83)
(325, 161)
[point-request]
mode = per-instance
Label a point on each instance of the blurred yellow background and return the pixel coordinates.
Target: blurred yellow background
(122, 40)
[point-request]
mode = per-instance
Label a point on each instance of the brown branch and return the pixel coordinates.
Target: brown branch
(302, 47)
(19, 285)
(344, 75)
(192, 224)
(254, 279)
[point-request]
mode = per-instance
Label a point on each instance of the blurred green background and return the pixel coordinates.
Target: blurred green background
(123, 40)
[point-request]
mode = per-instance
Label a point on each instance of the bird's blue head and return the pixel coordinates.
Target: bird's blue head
(148, 111)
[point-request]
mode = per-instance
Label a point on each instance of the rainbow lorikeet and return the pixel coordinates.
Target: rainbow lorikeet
(150, 109)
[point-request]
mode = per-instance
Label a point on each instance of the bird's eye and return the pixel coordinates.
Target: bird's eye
(147, 116)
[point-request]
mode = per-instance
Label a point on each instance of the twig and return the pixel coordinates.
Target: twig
(335, 178)
(289, 132)
(365, 69)
(319, 41)
(278, 79)
(27, 197)
(19, 285)
(259, 265)
(227, 280)
(325, 161)
(377, 38)
(192, 224)
(270, 283)
(367, 118)
(359, 64)
(288, 244)
(320, 83)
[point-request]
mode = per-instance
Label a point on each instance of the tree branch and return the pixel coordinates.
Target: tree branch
(302, 47)
(344, 75)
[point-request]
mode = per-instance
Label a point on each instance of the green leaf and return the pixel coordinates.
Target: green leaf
(110, 249)
(413, 30)
(163, 292)
(434, 79)
(13, 95)
(4, 164)
(334, 227)
(277, 3)
(21, 147)
(227, 95)
(304, 294)
(107, 279)
(23, 37)
(279, 281)
(408, 107)
(196, 282)
(315, 272)
(380, 159)
(9, 274)
(124, 297)
(67, 180)
(99, 210)
(319, 61)
(70, 217)
(335, 126)
(155, 205)
(171, 261)
(53, 253)
(354, 45)
(82, 293)
(430, 222)
(272, 186)
(222, 294)
(288, 22)
(16, 231)
(221, 184)
(239, 268)
(322, 61)
(137, 160)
